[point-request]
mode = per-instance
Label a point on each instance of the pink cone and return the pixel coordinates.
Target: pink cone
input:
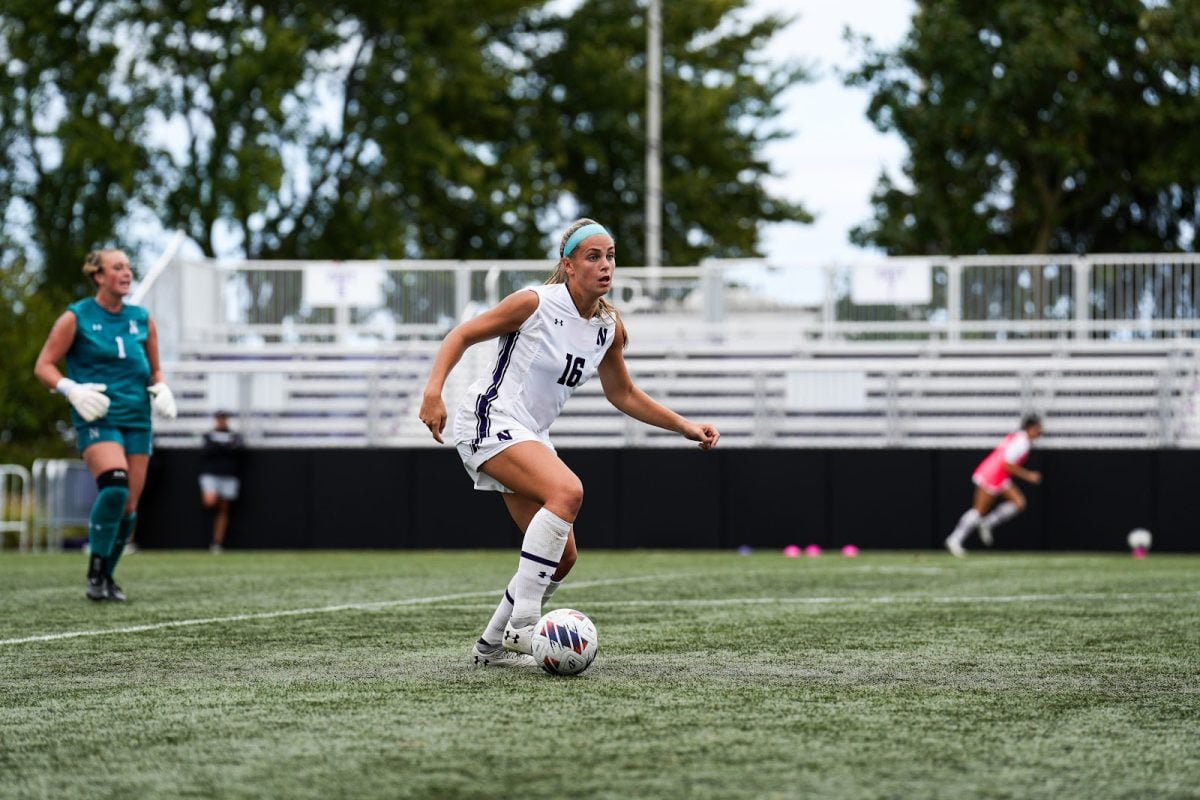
(850, 551)
(792, 551)
(1139, 552)
(812, 551)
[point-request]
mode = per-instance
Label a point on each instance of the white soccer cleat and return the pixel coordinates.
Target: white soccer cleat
(985, 534)
(519, 640)
(499, 658)
(955, 548)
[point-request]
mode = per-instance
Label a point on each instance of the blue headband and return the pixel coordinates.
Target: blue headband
(591, 229)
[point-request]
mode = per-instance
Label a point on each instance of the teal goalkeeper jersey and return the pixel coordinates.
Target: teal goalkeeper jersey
(111, 349)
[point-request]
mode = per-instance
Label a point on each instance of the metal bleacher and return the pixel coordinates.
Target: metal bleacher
(768, 374)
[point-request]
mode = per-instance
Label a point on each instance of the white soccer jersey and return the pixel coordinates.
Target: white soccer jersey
(536, 369)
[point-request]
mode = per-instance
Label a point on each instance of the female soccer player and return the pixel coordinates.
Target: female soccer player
(552, 339)
(113, 379)
(993, 478)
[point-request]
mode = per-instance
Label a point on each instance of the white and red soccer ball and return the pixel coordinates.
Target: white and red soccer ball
(565, 642)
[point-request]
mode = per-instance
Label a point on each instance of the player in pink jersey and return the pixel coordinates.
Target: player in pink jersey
(994, 478)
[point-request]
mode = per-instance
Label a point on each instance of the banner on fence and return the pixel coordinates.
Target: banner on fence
(897, 282)
(342, 285)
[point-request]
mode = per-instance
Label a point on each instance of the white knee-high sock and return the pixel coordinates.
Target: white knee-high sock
(1001, 513)
(493, 634)
(966, 524)
(543, 545)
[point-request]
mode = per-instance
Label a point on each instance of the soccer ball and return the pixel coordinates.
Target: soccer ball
(1138, 539)
(565, 642)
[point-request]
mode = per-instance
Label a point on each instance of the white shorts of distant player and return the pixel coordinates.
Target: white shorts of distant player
(223, 486)
(993, 489)
(474, 453)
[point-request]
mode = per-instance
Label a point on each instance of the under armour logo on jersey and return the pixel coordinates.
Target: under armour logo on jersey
(602, 336)
(558, 322)
(133, 326)
(96, 326)
(94, 433)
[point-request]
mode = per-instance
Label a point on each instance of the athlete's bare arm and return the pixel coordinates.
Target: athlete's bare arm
(621, 391)
(55, 350)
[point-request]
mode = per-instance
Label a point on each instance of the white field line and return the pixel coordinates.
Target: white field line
(884, 600)
(298, 612)
(887, 600)
(447, 601)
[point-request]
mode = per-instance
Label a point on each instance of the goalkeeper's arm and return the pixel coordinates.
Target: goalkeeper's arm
(55, 350)
(88, 399)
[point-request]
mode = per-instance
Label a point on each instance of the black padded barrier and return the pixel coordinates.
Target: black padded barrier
(764, 498)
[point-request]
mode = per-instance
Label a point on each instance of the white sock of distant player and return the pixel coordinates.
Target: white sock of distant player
(543, 545)
(493, 635)
(551, 588)
(966, 524)
(1001, 513)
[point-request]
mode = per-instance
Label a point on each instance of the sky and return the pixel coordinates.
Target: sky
(833, 160)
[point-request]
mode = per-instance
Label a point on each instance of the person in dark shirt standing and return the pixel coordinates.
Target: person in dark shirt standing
(220, 473)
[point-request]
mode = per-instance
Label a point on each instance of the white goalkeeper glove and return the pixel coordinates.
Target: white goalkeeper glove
(88, 399)
(162, 400)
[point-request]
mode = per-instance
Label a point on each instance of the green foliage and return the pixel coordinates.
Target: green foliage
(1039, 127)
(719, 677)
(30, 418)
(356, 129)
(719, 102)
(71, 115)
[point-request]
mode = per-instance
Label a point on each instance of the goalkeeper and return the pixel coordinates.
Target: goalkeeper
(113, 380)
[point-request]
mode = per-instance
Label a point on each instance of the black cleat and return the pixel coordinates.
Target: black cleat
(97, 585)
(114, 591)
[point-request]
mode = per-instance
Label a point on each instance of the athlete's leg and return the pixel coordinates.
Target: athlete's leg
(532, 470)
(107, 463)
(220, 523)
(968, 521)
(522, 511)
(983, 500)
(536, 473)
(1014, 503)
(138, 465)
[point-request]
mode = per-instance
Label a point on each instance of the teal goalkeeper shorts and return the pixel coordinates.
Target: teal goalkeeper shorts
(134, 441)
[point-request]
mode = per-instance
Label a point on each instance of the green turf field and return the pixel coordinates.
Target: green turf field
(345, 675)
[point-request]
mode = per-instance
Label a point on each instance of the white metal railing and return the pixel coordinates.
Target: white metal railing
(63, 493)
(16, 504)
(1111, 297)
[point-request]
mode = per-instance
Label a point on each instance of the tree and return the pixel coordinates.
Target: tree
(359, 129)
(71, 165)
(346, 129)
(27, 414)
(719, 103)
(1035, 127)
